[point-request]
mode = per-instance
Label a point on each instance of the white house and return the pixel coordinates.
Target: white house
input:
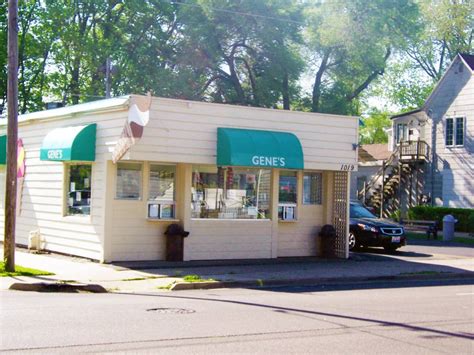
(433, 146)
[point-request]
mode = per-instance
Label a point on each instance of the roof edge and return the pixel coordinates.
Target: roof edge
(104, 105)
(407, 113)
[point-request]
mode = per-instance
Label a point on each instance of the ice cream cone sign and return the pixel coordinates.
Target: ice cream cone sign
(20, 159)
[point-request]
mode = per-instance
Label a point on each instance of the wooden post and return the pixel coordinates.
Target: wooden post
(12, 134)
(365, 192)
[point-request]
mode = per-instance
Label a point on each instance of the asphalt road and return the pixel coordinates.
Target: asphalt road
(420, 248)
(404, 317)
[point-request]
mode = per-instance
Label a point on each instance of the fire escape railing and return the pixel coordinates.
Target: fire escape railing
(409, 150)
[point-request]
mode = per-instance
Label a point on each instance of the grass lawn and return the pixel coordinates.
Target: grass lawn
(21, 271)
(422, 236)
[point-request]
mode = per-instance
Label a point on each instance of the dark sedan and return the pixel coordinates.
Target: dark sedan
(365, 229)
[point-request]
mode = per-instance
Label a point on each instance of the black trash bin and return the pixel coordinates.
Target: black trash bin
(175, 235)
(328, 241)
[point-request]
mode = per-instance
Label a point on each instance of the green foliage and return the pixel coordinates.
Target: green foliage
(395, 215)
(246, 59)
(447, 29)
(243, 52)
(195, 278)
(465, 216)
(422, 236)
(403, 85)
(21, 271)
(352, 42)
(373, 130)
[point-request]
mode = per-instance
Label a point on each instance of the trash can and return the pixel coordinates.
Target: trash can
(175, 235)
(328, 241)
(448, 227)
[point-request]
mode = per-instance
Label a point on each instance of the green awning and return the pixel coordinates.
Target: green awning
(3, 150)
(70, 144)
(245, 147)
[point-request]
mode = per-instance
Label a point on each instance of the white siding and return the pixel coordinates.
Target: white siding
(186, 131)
(43, 193)
(454, 166)
(229, 239)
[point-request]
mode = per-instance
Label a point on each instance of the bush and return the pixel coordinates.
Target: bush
(465, 216)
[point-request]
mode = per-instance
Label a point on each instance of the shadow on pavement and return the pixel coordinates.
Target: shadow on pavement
(439, 243)
(280, 309)
(378, 251)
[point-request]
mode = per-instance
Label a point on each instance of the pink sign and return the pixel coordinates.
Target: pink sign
(20, 159)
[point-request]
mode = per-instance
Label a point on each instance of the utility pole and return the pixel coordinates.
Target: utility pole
(107, 78)
(12, 134)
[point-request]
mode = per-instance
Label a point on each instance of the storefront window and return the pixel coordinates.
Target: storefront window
(161, 197)
(230, 193)
(287, 192)
(79, 190)
(312, 188)
(129, 181)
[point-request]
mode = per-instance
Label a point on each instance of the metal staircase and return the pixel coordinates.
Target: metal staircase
(383, 191)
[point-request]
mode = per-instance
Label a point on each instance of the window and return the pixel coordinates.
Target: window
(454, 131)
(401, 133)
(129, 181)
(79, 189)
(312, 188)
(230, 193)
(449, 131)
(459, 131)
(287, 186)
(161, 196)
(287, 195)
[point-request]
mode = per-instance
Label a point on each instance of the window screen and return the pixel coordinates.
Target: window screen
(312, 188)
(129, 181)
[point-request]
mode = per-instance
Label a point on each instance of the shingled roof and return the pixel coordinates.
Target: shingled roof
(469, 59)
(373, 152)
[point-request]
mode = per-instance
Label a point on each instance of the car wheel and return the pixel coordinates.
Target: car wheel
(390, 249)
(352, 241)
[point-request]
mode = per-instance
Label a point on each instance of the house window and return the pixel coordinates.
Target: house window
(312, 188)
(454, 132)
(161, 196)
(459, 131)
(401, 133)
(230, 193)
(287, 195)
(79, 189)
(129, 181)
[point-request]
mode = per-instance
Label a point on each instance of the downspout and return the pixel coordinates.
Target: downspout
(433, 154)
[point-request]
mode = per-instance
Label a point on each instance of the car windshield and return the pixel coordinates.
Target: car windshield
(358, 211)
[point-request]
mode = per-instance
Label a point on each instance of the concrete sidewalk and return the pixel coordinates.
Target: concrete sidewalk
(162, 276)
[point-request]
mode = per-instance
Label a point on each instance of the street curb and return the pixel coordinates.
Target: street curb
(205, 285)
(57, 287)
(259, 283)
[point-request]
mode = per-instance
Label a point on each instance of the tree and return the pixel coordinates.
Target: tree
(403, 85)
(448, 29)
(352, 42)
(374, 127)
(243, 49)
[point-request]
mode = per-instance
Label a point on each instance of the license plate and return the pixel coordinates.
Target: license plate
(395, 239)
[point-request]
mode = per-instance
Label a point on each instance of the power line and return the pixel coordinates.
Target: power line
(257, 15)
